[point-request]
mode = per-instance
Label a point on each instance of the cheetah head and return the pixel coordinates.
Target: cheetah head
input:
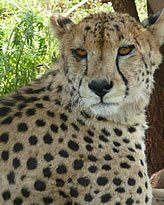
(109, 60)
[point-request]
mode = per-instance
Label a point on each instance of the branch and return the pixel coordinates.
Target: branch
(105, 1)
(74, 8)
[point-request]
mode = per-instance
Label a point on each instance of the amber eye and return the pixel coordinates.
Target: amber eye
(82, 53)
(125, 50)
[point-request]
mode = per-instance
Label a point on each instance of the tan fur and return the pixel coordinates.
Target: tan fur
(86, 130)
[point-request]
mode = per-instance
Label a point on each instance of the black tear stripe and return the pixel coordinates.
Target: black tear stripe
(86, 70)
(146, 66)
(80, 85)
(65, 65)
(80, 82)
(123, 77)
(86, 59)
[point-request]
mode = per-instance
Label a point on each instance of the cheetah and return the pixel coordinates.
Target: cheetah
(75, 136)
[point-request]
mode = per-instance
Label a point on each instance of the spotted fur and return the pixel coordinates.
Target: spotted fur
(62, 144)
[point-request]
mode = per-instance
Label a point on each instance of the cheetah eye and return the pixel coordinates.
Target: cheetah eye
(125, 50)
(80, 53)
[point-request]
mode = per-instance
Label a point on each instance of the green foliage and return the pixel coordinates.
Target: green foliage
(27, 46)
(141, 8)
(24, 49)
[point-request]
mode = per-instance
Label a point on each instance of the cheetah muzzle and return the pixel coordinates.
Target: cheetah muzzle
(76, 135)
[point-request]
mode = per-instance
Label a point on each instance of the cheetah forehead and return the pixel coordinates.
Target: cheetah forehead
(109, 18)
(101, 24)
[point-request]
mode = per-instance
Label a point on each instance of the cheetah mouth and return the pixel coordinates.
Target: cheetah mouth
(104, 109)
(104, 104)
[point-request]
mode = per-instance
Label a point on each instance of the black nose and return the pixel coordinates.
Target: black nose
(100, 87)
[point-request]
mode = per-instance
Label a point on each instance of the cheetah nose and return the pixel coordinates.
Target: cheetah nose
(100, 87)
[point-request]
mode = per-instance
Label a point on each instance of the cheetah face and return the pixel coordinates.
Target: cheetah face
(109, 62)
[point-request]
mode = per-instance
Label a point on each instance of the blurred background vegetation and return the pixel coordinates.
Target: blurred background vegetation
(27, 45)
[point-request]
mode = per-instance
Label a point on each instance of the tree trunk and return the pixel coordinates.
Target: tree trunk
(154, 7)
(155, 133)
(124, 6)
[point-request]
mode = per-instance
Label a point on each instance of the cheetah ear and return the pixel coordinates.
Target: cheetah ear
(155, 24)
(61, 25)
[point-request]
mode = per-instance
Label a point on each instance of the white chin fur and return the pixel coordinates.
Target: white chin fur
(104, 110)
